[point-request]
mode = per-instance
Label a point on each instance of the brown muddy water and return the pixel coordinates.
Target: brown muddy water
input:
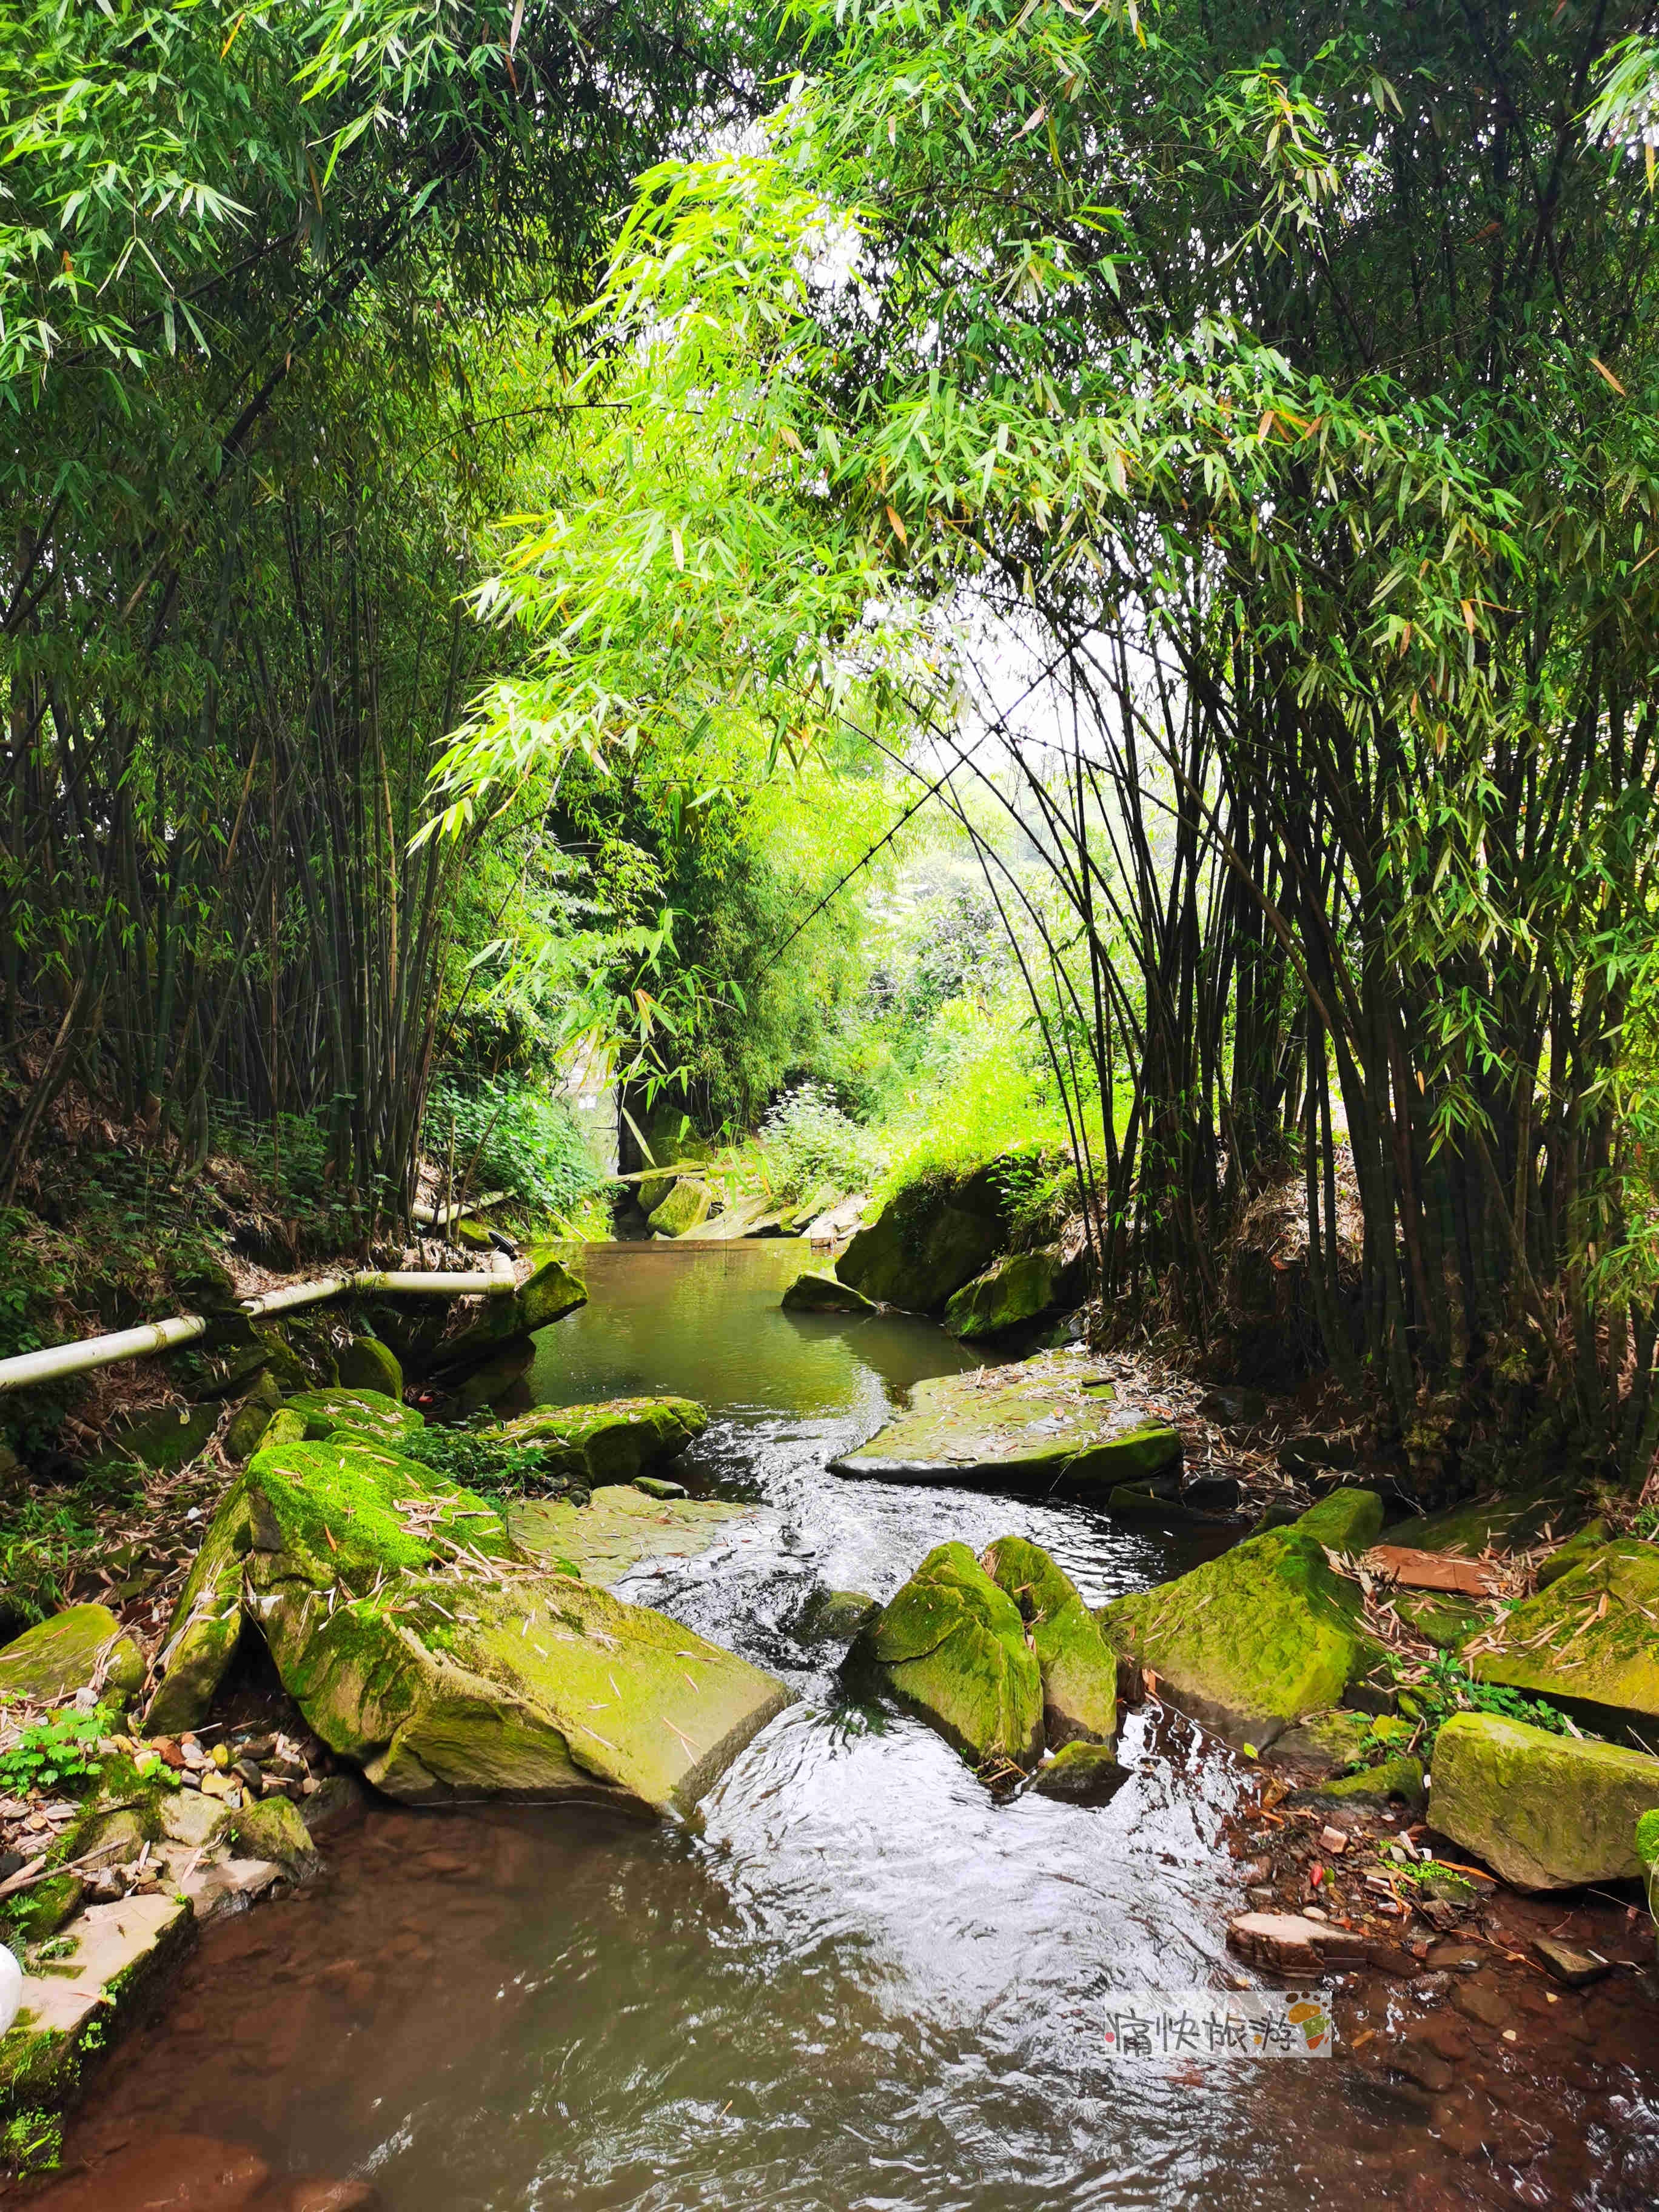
(865, 1986)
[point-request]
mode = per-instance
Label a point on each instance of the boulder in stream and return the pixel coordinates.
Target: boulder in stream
(421, 1642)
(612, 1441)
(1013, 1291)
(1080, 1774)
(928, 1242)
(1078, 1666)
(1052, 1423)
(1252, 1641)
(686, 1207)
(954, 1645)
(1545, 1811)
(816, 1292)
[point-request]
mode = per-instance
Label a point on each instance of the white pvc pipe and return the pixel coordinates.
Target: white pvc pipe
(60, 1359)
(57, 1360)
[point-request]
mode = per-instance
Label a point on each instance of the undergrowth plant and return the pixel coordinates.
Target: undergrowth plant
(60, 1752)
(492, 1469)
(505, 1133)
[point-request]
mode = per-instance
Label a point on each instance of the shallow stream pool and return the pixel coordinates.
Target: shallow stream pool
(864, 1983)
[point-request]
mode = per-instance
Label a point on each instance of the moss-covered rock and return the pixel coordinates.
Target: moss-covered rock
(248, 1423)
(1080, 1774)
(1399, 1777)
(1254, 1640)
(617, 1528)
(1545, 1811)
(1592, 1634)
(84, 1647)
(1347, 1521)
(1023, 1288)
(953, 1644)
(1042, 1424)
(159, 1441)
(1078, 1667)
(207, 1621)
(609, 1442)
(1441, 1617)
(685, 1207)
(271, 1829)
(284, 1427)
(816, 1292)
(1330, 1738)
(368, 1413)
(548, 1294)
(923, 1246)
(1573, 1554)
(367, 1365)
(651, 1190)
(1506, 1523)
(833, 1616)
(419, 1643)
(39, 1912)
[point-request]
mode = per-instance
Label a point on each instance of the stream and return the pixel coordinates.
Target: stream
(865, 1984)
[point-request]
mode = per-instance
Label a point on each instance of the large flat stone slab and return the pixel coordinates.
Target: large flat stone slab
(619, 1528)
(1545, 1811)
(116, 1948)
(1592, 1635)
(1054, 1423)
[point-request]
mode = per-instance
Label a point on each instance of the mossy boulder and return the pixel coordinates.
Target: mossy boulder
(609, 1442)
(1441, 1617)
(1080, 1774)
(617, 1528)
(1254, 1640)
(1011, 1293)
(207, 1620)
(421, 1644)
(1592, 1634)
(834, 1616)
(1545, 1811)
(651, 1190)
(161, 1441)
(84, 1647)
(1509, 1522)
(248, 1423)
(272, 1829)
(1078, 1667)
(924, 1245)
(367, 1365)
(1041, 1424)
(548, 1295)
(1573, 1554)
(818, 1293)
(1349, 1521)
(953, 1644)
(1399, 1777)
(685, 1207)
(368, 1413)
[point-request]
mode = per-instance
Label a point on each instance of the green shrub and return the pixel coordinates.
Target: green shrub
(59, 1753)
(808, 1141)
(485, 1464)
(525, 1142)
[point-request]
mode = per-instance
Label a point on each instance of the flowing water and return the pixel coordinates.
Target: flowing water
(864, 1982)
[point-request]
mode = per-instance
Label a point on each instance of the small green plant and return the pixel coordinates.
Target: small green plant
(59, 1753)
(1432, 1691)
(1647, 1850)
(31, 2142)
(485, 1464)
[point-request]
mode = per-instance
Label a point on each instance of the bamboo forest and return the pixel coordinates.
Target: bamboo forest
(829, 1105)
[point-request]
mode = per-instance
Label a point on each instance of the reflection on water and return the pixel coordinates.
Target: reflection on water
(865, 1984)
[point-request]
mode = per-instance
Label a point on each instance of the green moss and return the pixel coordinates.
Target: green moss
(550, 1293)
(1348, 1520)
(56, 1657)
(1398, 1777)
(1445, 1620)
(815, 1292)
(1013, 1291)
(1497, 1524)
(41, 1911)
(1592, 1634)
(1079, 1669)
(367, 1412)
(207, 1621)
(952, 1644)
(1252, 1640)
(367, 1365)
(1545, 1811)
(1573, 1554)
(336, 1507)
(685, 1207)
(609, 1442)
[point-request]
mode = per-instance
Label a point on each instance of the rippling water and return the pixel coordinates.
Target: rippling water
(865, 1984)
